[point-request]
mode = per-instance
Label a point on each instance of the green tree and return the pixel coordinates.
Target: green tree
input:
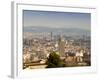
(54, 61)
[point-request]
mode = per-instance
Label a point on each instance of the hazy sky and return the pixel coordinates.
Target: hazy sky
(56, 19)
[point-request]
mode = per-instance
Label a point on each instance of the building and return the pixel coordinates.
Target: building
(61, 43)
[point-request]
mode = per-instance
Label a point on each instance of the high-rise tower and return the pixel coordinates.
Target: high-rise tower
(51, 36)
(61, 44)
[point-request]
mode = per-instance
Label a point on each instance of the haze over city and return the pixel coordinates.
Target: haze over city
(57, 19)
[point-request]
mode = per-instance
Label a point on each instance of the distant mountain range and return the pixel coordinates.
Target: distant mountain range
(57, 31)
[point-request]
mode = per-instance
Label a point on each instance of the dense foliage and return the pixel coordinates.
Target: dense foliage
(54, 61)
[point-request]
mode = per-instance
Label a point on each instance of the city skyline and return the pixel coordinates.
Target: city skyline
(56, 39)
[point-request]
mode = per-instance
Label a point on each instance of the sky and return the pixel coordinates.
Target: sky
(56, 19)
